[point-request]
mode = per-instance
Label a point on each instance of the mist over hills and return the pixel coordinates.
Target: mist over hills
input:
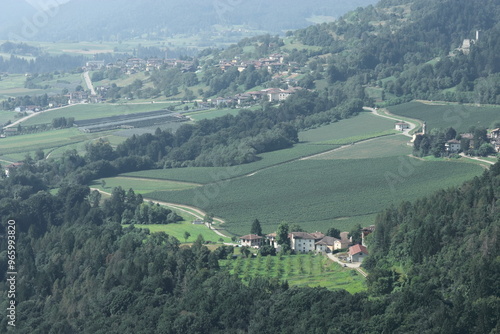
(93, 20)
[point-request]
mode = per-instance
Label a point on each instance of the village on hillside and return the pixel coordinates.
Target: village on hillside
(316, 242)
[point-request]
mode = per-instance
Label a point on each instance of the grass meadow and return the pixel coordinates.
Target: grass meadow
(177, 230)
(299, 270)
(460, 117)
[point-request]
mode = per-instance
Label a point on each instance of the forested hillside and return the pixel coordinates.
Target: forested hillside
(410, 49)
(434, 268)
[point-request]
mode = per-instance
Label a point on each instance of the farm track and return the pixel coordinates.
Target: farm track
(33, 115)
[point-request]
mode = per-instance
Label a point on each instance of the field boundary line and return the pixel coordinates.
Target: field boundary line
(159, 180)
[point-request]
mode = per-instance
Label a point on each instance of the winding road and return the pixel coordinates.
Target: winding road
(197, 213)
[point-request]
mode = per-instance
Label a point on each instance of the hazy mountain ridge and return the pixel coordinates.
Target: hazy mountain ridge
(121, 19)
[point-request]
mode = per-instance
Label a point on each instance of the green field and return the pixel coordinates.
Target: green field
(298, 270)
(43, 140)
(388, 146)
(365, 124)
(6, 116)
(460, 117)
(214, 174)
(177, 230)
(13, 85)
(140, 185)
(315, 193)
(210, 114)
(90, 111)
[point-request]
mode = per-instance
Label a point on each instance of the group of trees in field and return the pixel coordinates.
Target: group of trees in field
(41, 101)
(129, 208)
(433, 143)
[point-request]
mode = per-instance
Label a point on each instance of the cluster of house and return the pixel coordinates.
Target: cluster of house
(245, 99)
(454, 146)
(135, 65)
(303, 242)
(275, 63)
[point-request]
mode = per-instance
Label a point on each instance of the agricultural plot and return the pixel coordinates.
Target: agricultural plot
(44, 140)
(6, 116)
(140, 185)
(215, 174)
(299, 270)
(210, 114)
(460, 117)
(365, 124)
(388, 146)
(91, 111)
(314, 193)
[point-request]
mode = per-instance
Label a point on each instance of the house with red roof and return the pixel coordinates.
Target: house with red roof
(357, 253)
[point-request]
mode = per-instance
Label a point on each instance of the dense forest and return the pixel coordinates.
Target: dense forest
(41, 64)
(434, 267)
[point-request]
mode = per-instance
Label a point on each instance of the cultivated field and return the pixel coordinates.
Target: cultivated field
(43, 140)
(215, 174)
(210, 114)
(140, 185)
(298, 270)
(91, 111)
(460, 117)
(364, 124)
(314, 193)
(388, 146)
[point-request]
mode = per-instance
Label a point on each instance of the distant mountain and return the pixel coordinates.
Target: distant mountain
(12, 12)
(122, 19)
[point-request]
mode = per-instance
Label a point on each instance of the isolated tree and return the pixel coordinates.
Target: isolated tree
(94, 198)
(256, 228)
(282, 237)
(295, 228)
(333, 232)
(209, 218)
(39, 154)
(355, 234)
(186, 236)
(245, 251)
